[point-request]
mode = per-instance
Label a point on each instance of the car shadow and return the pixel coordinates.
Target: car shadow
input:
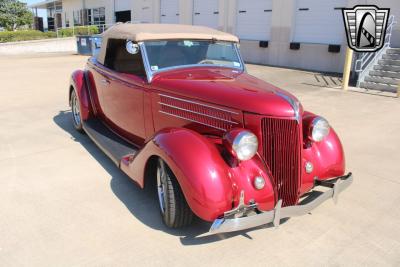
(143, 203)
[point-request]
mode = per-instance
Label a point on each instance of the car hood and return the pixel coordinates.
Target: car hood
(229, 88)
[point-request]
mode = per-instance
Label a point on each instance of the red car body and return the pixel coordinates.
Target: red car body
(184, 115)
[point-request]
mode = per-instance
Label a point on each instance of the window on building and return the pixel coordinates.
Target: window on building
(118, 59)
(93, 16)
(66, 19)
(77, 17)
(89, 17)
(99, 16)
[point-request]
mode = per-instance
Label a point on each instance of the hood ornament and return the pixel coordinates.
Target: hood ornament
(294, 103)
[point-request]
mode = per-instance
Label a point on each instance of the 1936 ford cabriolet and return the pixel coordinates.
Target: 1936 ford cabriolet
(173, 104)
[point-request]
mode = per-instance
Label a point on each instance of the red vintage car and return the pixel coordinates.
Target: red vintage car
(174, 105)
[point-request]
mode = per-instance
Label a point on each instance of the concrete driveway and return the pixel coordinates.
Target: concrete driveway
(64, 203)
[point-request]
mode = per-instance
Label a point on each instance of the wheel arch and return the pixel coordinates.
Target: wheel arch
(205, 183)
(150, 172)
(78, 84)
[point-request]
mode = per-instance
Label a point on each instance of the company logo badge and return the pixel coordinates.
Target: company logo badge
(365, 27)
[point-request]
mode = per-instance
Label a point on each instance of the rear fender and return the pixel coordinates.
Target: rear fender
(209, 184)
(78, 83)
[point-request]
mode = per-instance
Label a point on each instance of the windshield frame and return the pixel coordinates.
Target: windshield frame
(150, 73)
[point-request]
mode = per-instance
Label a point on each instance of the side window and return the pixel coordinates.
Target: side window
(118, 59)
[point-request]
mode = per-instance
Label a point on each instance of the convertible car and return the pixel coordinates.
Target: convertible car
(173, 106)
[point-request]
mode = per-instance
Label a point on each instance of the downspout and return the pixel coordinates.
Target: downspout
(114, 15)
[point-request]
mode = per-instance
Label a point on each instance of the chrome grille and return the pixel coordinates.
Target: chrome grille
(281, 151)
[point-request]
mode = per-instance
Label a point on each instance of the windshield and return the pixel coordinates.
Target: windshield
(181, 53)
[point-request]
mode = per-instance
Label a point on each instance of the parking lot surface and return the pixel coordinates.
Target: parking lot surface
(64, 203)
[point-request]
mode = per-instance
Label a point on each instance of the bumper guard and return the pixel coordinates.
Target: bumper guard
(240, 218)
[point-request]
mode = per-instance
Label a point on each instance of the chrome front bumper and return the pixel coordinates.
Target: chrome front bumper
(231, 222)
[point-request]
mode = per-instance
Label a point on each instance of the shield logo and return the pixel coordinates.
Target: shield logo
(365, 27)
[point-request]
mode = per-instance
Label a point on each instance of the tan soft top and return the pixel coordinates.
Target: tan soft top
(148, 32)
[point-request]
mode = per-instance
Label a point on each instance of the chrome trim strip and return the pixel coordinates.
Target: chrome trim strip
(146, 62)
(198, 113)
(173, 115)
(295, 105)
(240, 58)
(195, 66)
(197, 103)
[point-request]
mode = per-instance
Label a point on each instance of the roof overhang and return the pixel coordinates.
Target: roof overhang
(42, 4)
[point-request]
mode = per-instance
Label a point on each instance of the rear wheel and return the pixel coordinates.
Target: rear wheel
(174, 209)
(76, 112)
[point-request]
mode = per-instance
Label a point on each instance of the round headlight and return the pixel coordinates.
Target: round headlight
(319, 129)
(245, 145)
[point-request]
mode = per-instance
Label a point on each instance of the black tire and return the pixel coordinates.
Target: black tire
(176, 213)
(76, 112)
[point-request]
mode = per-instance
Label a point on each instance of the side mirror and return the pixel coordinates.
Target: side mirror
(132, 48)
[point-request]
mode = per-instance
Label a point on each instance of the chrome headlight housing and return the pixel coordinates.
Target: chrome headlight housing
(319, 129)
(243, 143)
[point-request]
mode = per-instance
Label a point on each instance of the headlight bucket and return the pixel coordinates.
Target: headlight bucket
(241, 143)
(319, 129)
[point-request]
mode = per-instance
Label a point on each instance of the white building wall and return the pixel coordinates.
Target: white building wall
(69, 7)
(123, 5)
(282, 31)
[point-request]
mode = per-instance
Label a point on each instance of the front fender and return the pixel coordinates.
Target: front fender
(326, 156)
(78, 84)
(209, 184)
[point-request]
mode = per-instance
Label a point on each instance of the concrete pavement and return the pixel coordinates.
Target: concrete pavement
(64, 203)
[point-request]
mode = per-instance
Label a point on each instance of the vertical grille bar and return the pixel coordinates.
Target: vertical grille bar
(281, 151)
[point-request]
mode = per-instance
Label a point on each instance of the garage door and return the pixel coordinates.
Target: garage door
(146, 13)
(169, 11)
(206, 13)
(253, 21)
(122, 5)
(319, 22)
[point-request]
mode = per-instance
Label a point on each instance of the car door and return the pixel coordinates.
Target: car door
(122, 90)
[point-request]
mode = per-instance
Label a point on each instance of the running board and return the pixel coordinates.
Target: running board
(110, 143)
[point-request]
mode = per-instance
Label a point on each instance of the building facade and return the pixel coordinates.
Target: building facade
(305, 34)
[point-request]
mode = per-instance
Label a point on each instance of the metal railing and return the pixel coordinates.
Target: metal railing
(367, 60)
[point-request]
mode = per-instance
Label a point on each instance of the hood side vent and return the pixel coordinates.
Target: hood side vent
(214, 117)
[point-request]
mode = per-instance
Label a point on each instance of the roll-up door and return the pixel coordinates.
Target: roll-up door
(146, 12)
(206, 13)
(170, 11)
(253, 19)
(320, 22)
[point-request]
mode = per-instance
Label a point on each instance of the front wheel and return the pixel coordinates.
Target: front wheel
(76, 112)
(174, 209)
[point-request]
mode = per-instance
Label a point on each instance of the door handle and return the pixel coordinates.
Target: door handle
(105, 81)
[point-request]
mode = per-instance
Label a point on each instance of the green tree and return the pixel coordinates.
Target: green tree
(14, 14)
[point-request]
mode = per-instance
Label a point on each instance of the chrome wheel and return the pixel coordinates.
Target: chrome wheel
(76, 112)
(161, 185)
(174, 209)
